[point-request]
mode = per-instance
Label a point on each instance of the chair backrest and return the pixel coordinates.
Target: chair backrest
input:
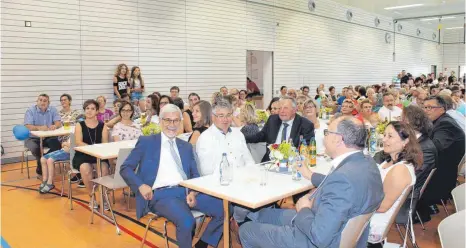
(451, 231)
(72, 146)
(353, 230)
(123, 153)
(427, 182)
(407, 191)
(461, 166)
(459, 197)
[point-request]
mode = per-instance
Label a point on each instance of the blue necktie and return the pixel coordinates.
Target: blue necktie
(284, 131)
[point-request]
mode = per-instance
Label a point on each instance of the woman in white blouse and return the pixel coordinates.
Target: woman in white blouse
(126, 129)
(404, 155)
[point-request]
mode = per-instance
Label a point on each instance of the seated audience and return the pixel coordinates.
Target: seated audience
(242, 96)
(221, 138)
(418, 120)
(115, 118)
(42, 117)
(66, 113)
(164, 100)
(300, 101)
(389, 112)
(449, 140)
(398, 173)
(126, 129)
(202, 116)
(305, 91)
(457, 116)
(248, 120)
(274, 106)
(457, 97)
(152, 109)
(283, 91)
(215, 97)
(137, 110)
(284, 126)
(48, 168)
(353, 188)
(90, 132)
(163, 161)
(188, 120)
(102, 112)
(174, 92)
(224, 91)
(311, 112)
(120, 81)
(366, 115)
(292, 93)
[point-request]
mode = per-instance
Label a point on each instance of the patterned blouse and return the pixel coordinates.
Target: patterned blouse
(125, 132)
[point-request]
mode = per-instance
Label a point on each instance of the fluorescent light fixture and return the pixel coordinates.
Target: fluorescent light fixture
(455, 28)
(405, 6)
(437, 18)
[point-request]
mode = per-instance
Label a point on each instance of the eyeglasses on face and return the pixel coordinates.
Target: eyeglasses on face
(431, 107)
(167, 121)
(327, 132)
(222, 116)
(126, 110)
(163, 103)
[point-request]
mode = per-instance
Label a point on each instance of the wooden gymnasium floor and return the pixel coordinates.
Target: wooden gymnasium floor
(30, 219)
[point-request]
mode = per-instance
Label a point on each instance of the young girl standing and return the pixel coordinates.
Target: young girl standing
(137, 86)
(120, 81)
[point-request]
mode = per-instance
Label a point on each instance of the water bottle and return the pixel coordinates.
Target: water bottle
(297, 162)
(372, 142)
(225, 171)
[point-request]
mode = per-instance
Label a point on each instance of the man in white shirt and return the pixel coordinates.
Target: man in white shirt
(221, 138)
(389, 111)
(164, 161)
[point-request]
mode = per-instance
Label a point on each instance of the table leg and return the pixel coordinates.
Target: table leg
(101, 191)
(226, 225)
(41, 146)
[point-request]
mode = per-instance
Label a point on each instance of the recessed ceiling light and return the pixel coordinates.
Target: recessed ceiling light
(436, 18)
(455, 28)
(405, 6)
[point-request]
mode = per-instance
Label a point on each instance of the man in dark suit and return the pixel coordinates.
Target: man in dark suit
(449, 140)
(164, 161)
(287, 124)
(352, 188)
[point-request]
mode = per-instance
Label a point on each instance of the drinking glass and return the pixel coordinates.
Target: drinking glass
(263, 175)
(106, 118)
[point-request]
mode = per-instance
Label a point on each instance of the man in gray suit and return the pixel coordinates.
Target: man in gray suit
(352, 188)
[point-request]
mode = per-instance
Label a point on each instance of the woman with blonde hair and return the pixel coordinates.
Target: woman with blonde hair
(103, 114)
(120, 81)
(248, 120)
(300, 102)
(311, 112)
(136, 83)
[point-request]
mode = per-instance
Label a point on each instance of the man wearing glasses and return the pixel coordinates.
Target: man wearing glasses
(352, 188)
(449, 140)
(164, 161)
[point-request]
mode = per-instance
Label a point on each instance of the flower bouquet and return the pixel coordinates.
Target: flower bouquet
(262, 115)
(151, 129)
(280, 153)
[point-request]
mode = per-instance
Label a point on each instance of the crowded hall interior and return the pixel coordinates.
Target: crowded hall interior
(233, 123)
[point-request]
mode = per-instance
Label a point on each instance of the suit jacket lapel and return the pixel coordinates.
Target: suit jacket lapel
(155, 150)
(295, 128)
(183, 156)
(275, 134)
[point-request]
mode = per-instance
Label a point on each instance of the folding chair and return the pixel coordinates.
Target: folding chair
(422, 192)
(451, 230)
(353, 230)
(458, 194)
(111, 183)
(153, 216)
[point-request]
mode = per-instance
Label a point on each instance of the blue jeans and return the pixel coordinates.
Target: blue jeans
(136, 96)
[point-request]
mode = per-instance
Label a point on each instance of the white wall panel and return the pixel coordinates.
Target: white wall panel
(74, 46)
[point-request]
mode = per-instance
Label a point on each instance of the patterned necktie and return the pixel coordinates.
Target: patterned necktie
(284, 131)
(177, 160)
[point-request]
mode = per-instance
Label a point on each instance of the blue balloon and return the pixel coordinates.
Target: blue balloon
(21, 132)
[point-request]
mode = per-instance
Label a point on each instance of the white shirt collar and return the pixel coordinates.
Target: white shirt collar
(336, 161)
(289, 122)
(165, 138)
(221, 131)
(418, 135)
